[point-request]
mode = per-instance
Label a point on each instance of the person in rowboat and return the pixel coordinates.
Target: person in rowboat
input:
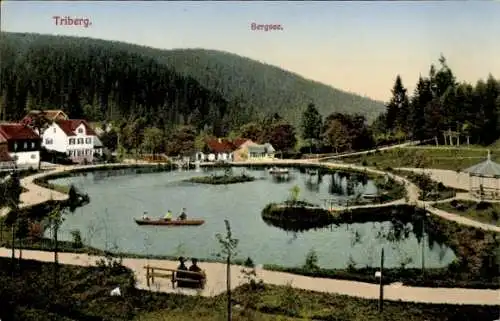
(145, 216)
(168, 216)
(183, 215)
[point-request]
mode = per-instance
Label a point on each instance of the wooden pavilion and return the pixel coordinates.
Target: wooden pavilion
(484, 179)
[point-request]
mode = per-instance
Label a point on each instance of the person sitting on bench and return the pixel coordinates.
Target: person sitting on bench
(195, 268)
(180, 274)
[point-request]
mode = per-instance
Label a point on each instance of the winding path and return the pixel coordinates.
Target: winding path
(216, 271)
(216, 281)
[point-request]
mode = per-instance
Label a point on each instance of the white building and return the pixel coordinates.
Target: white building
(23, 144)
(74, 137)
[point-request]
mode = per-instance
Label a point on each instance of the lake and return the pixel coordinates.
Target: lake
(108, 221)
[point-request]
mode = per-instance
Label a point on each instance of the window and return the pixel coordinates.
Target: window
(80, 141)
(72, 141)
(49, 141)
(88, 140)
(25, 145)
(80, 130)
(15, 146)
(54, 130)
(32, 144)
(33, 156)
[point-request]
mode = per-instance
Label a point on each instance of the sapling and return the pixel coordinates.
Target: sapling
(228, 246)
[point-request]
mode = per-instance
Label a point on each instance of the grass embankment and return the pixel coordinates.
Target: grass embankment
(476, 266)
(83, 293)
(430, 189)
(439, 158)
(484, 212)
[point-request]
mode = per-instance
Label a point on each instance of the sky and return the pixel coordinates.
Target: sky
(359, 47)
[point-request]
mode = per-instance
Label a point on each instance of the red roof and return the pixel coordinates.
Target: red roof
(15, 131)
(220, 145)
(69, 126)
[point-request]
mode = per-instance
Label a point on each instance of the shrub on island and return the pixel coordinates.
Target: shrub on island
(296, 216)
(222, 179)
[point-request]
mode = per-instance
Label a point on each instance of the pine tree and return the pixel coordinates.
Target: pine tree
(398, 107)
(420, 99)
(311, 124)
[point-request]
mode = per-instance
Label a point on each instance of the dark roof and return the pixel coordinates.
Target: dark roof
(15, 131)
(69, 126)
(49, 114)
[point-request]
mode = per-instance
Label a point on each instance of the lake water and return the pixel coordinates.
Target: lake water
(108, 221)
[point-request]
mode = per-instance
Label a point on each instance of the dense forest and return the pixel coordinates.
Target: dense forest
(441, 103)
(106, 80)
(267, 88)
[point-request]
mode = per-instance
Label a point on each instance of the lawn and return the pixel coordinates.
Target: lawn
(81, 293)
(440, 158)
(484, 212)
(433, 190)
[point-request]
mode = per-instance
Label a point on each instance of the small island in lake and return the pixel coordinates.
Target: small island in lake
(227, 178)
(296, 215)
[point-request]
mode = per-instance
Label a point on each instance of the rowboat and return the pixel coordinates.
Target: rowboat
(169, 222)
(278, 171)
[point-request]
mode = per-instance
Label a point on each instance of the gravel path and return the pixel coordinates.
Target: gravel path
(216, 284)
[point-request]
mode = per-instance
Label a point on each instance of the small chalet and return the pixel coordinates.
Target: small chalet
(74, 137)
(265, 151)
(219, 149)
(22, 144)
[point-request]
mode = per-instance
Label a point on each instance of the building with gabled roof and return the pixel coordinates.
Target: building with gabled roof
(75, 137)
(22, 144)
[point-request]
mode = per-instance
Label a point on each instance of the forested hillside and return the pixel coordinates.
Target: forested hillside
(99, 80)
(106, 80)
(265, 87)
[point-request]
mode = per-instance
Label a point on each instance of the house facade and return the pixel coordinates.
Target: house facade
(261, 152)
(74, 137)
(22, 144)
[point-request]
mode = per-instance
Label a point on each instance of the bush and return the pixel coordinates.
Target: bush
(296, 217)
(221, 180)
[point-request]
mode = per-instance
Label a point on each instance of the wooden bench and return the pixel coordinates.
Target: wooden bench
(157, 272)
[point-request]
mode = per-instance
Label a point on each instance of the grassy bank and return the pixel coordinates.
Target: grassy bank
(445, 158)
(82, 293)
(484, 212)
(431, 190)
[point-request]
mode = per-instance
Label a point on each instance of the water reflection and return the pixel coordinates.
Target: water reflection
(116, 200)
